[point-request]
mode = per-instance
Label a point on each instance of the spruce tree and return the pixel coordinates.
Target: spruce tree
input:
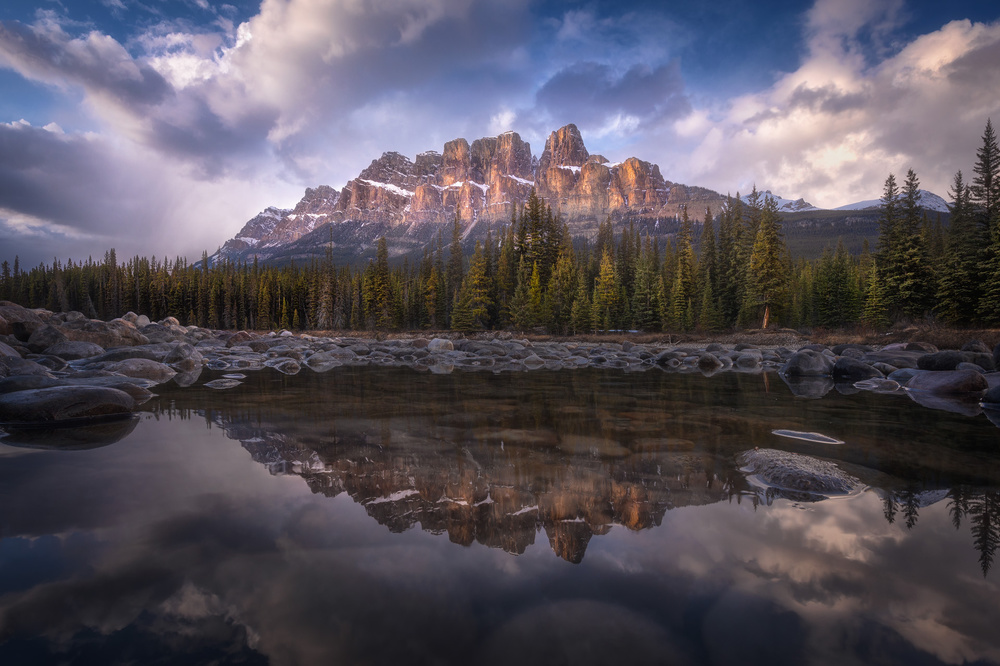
(959, 286)
(768, 274)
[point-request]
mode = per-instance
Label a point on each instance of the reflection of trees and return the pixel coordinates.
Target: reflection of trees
(982, 508)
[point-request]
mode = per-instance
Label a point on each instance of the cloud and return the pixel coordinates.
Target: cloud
(834, 128)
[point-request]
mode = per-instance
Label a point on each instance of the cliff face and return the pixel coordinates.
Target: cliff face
(409, 201)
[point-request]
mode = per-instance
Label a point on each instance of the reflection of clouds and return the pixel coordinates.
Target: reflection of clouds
(211, 551)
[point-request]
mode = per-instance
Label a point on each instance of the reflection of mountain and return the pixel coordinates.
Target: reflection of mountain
(493, 459)
(499, 496)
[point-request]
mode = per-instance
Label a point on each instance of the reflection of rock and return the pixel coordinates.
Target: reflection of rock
(90, 436)
(808, 387)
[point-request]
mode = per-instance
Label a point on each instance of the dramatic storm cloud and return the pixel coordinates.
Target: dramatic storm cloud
(160, 128)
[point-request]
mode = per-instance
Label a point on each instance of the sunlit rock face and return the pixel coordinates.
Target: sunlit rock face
(480, 184)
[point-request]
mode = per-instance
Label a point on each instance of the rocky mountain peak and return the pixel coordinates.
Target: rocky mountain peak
(410, 201)
(564, 147)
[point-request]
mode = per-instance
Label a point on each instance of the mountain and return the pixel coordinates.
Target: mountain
(784, 205)
(411, 201)
(926, 200)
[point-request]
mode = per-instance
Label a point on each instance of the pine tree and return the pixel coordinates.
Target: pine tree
(605, 305)
(959, 288)
(473, 304)
(580, 317)
(768, 266)
(913, 278)
(986, 200)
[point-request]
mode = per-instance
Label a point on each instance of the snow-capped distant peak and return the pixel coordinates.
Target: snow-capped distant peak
(784, 205)
(927, 200)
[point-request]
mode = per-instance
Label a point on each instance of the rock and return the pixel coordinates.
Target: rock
(160, 333)
(219, 384)
(898, 358)
(948, 381)
(903, 375)
(73, 350)
(44, 337)
(809, 387)
(920, 347)
(808, 363)
(240, 338)
(63, 403)
(15, 365)
(854, 370)
(19, 321)
(323, 361)
(885, 368)
(26, 382)
(992, 398)
(188, 377)
(114, 333)
(970, 366)
(796, 472)
(184, 357)
(877, 385)
(287, 366)
(440, 344)
(122, 354)
(840, 349)
(7, 350)
(143, 368)
(708, 362)
(949, 360)
(976, 346)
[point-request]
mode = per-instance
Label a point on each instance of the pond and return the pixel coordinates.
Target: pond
(389, 516)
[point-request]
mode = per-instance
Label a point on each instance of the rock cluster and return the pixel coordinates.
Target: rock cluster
(50, 358)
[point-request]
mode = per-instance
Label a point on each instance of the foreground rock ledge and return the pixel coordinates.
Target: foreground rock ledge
(131, 355)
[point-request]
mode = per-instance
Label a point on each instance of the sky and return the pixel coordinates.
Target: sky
(159, 127)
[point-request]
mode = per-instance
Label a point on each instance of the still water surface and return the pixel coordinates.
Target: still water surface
(383, 516)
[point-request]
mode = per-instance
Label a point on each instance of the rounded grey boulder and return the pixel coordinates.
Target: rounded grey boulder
(949, 381)
(63, 403)
(808, 363)
(793, 471)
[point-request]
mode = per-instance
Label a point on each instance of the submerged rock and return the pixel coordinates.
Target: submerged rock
(793, 471)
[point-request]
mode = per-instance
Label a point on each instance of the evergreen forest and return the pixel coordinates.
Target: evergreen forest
(530, 274)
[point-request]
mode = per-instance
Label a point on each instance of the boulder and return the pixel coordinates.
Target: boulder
(796, 472)
(15, 365)
(854, 370)
(440, 344)
(898, 358)
(708, 362)
(114, 333)
(143, 368)
(7, 350)
(72, 350)
(976, 346)
(949, 360)
(840, 349)
(44, 337)
(808, 363)
(991, 398)
(948, 381)
(19, 321)
(63, 403)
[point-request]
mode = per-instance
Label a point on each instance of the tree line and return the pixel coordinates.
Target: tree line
(529, 274)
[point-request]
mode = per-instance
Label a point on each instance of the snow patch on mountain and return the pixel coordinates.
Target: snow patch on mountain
(927, 200)
(784, 205)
